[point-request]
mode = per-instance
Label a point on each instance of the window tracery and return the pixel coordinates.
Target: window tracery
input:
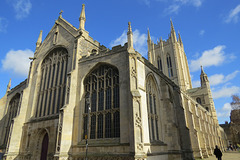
(13, 111)
(152, 110)
(102, 87)
(53, 83)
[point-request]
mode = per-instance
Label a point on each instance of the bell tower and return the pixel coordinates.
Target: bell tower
(170, 58)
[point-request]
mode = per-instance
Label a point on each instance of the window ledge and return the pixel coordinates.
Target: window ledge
(101, 142)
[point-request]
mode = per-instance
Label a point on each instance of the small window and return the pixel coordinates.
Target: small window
(169, 65)
(199, 100)
(94, 51)
(159, 61)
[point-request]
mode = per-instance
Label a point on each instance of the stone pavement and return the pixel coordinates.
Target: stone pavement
(229, 155)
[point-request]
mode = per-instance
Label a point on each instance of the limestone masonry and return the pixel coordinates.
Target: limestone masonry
(128, 107)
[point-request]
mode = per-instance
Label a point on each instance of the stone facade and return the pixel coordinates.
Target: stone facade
(126, 106)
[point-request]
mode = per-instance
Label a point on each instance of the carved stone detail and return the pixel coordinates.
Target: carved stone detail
(140, 146)
(138, 121)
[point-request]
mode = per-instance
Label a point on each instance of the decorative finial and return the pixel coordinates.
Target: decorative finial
(39, 41)
(82, 18)
(129, 27)
(172, 28)
(202, 71)
(9, 85)
(179, 38)
(149, 37)
(130, 39)
(60, 13)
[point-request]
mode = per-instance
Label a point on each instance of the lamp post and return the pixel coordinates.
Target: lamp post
(86, 135)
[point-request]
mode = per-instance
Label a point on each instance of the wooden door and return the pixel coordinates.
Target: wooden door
(44, 150)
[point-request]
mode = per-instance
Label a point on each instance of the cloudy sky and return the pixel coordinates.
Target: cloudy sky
(209, 30)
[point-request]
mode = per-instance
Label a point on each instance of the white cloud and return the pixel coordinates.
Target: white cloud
(3, 24)
(212, 57)
(202, 32)
(17, 62)
(21, 7)
(147, 2)
(224, 111)
(195, 3)
(174, 6)
(139, 41)
(225, 92)
(233, 15)
(172, 9)
(120, 40)
(217, 79)
(196, 84)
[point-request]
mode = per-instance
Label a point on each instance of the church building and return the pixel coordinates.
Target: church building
(82, 99)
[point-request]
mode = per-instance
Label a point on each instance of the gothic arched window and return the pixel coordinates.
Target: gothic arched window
(169, 65)
(102, 94)
(198, 100)
(12, 113)
(159, 62)
(152, 104)
(51, 94)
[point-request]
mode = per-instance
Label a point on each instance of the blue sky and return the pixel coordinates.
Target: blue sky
(210, 31)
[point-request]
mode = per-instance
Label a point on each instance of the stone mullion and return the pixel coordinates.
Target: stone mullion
(53, 87)
(58, 86)
(40, 93)
(150, 124)
(97, 111)
(112, 91)
(46, 90)
(49, 89)
(53, 107)
(104, 104)
(96, 127)
(112, 114)
(154, 127)
(112, 124)
(19, 104)
(154, 115)
(149, 118)
(90, 103)
(43, 92)
(10, 114)
(63, 82)
(16, 105)
(13, 108)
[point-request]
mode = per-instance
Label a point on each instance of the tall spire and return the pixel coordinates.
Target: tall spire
(203, 77)
(202, 71)
(9, 85)
(39, 41)
(149, 37)
(173, 33)
(82, 18)
(172, 28)
(130, 38)
(150, 48)
(179, 38)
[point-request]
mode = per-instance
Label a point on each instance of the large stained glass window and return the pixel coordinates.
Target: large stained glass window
(102, 88)
(53, 83)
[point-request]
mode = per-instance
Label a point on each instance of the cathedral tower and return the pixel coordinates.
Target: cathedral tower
(170, 58)
(209, 104)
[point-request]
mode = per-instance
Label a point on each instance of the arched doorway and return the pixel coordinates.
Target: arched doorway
(44, 150)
